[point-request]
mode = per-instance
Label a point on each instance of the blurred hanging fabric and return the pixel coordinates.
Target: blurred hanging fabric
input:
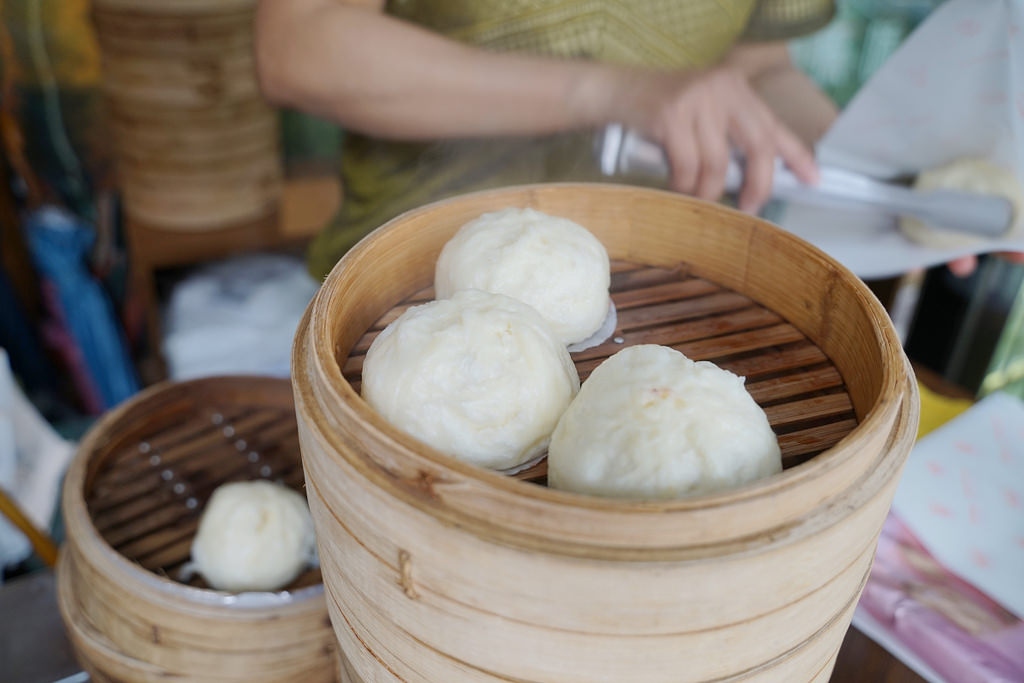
(55, 73)
(59, 156)
(95, 350)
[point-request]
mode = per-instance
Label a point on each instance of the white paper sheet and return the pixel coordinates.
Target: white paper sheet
(954, 89)
(962, 495)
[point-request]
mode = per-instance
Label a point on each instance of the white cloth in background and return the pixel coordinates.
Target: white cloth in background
(954, 89)
(236, 317)
(33, 458)
(962, 494)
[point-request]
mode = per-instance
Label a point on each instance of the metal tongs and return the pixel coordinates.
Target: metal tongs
(624, 151)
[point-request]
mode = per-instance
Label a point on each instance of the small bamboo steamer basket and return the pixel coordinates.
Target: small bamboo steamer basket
(439, 571)
(197, 147)
(132, 499)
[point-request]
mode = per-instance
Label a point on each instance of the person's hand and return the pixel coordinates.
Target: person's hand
(698, 116)
(965, 265)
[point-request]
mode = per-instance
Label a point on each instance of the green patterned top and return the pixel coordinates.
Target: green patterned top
(381, 179)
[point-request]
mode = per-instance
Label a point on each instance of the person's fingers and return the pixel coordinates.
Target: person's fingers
(758, 168)
(1012, 256)
(714, 155)
(713, 110)
(757, 181)
(751, 129)
(963, 266)
(796, 155)
(684, 158)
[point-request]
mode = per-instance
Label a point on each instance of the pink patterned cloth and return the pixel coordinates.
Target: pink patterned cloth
(960, 632)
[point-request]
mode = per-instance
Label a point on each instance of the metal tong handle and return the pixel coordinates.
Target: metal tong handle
(626, 151)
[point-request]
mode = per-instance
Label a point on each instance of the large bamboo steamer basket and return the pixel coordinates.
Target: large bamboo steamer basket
(436, 570)
(197, 147)
(132, 500)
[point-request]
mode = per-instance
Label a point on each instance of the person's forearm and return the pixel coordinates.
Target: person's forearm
(792, 95)
(381, 76)
(378, 75)
(798, 102)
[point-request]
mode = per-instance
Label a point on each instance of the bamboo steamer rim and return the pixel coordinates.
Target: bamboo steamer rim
(314, 352)
(200, 220)
(84, 636)
(353, 407)
(81, 531)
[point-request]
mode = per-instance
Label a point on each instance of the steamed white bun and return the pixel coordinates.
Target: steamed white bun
(253, 536)
(478, 376)
(550, 263)
(969, 175)
(651, 423)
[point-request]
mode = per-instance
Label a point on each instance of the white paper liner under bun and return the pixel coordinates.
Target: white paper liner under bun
(525, 466)
(603, 334)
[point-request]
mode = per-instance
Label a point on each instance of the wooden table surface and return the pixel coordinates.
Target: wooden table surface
(862, 659)
(33, 645)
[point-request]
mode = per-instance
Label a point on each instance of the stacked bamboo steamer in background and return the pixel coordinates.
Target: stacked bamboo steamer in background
(197, 147)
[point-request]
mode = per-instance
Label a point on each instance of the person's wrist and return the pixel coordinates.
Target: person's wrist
(602, 93)
(757, 60)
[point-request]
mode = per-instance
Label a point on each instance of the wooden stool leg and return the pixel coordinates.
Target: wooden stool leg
(143, 285)
(41, 543)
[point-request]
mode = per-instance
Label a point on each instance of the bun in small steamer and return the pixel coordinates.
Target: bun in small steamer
(253, 536)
